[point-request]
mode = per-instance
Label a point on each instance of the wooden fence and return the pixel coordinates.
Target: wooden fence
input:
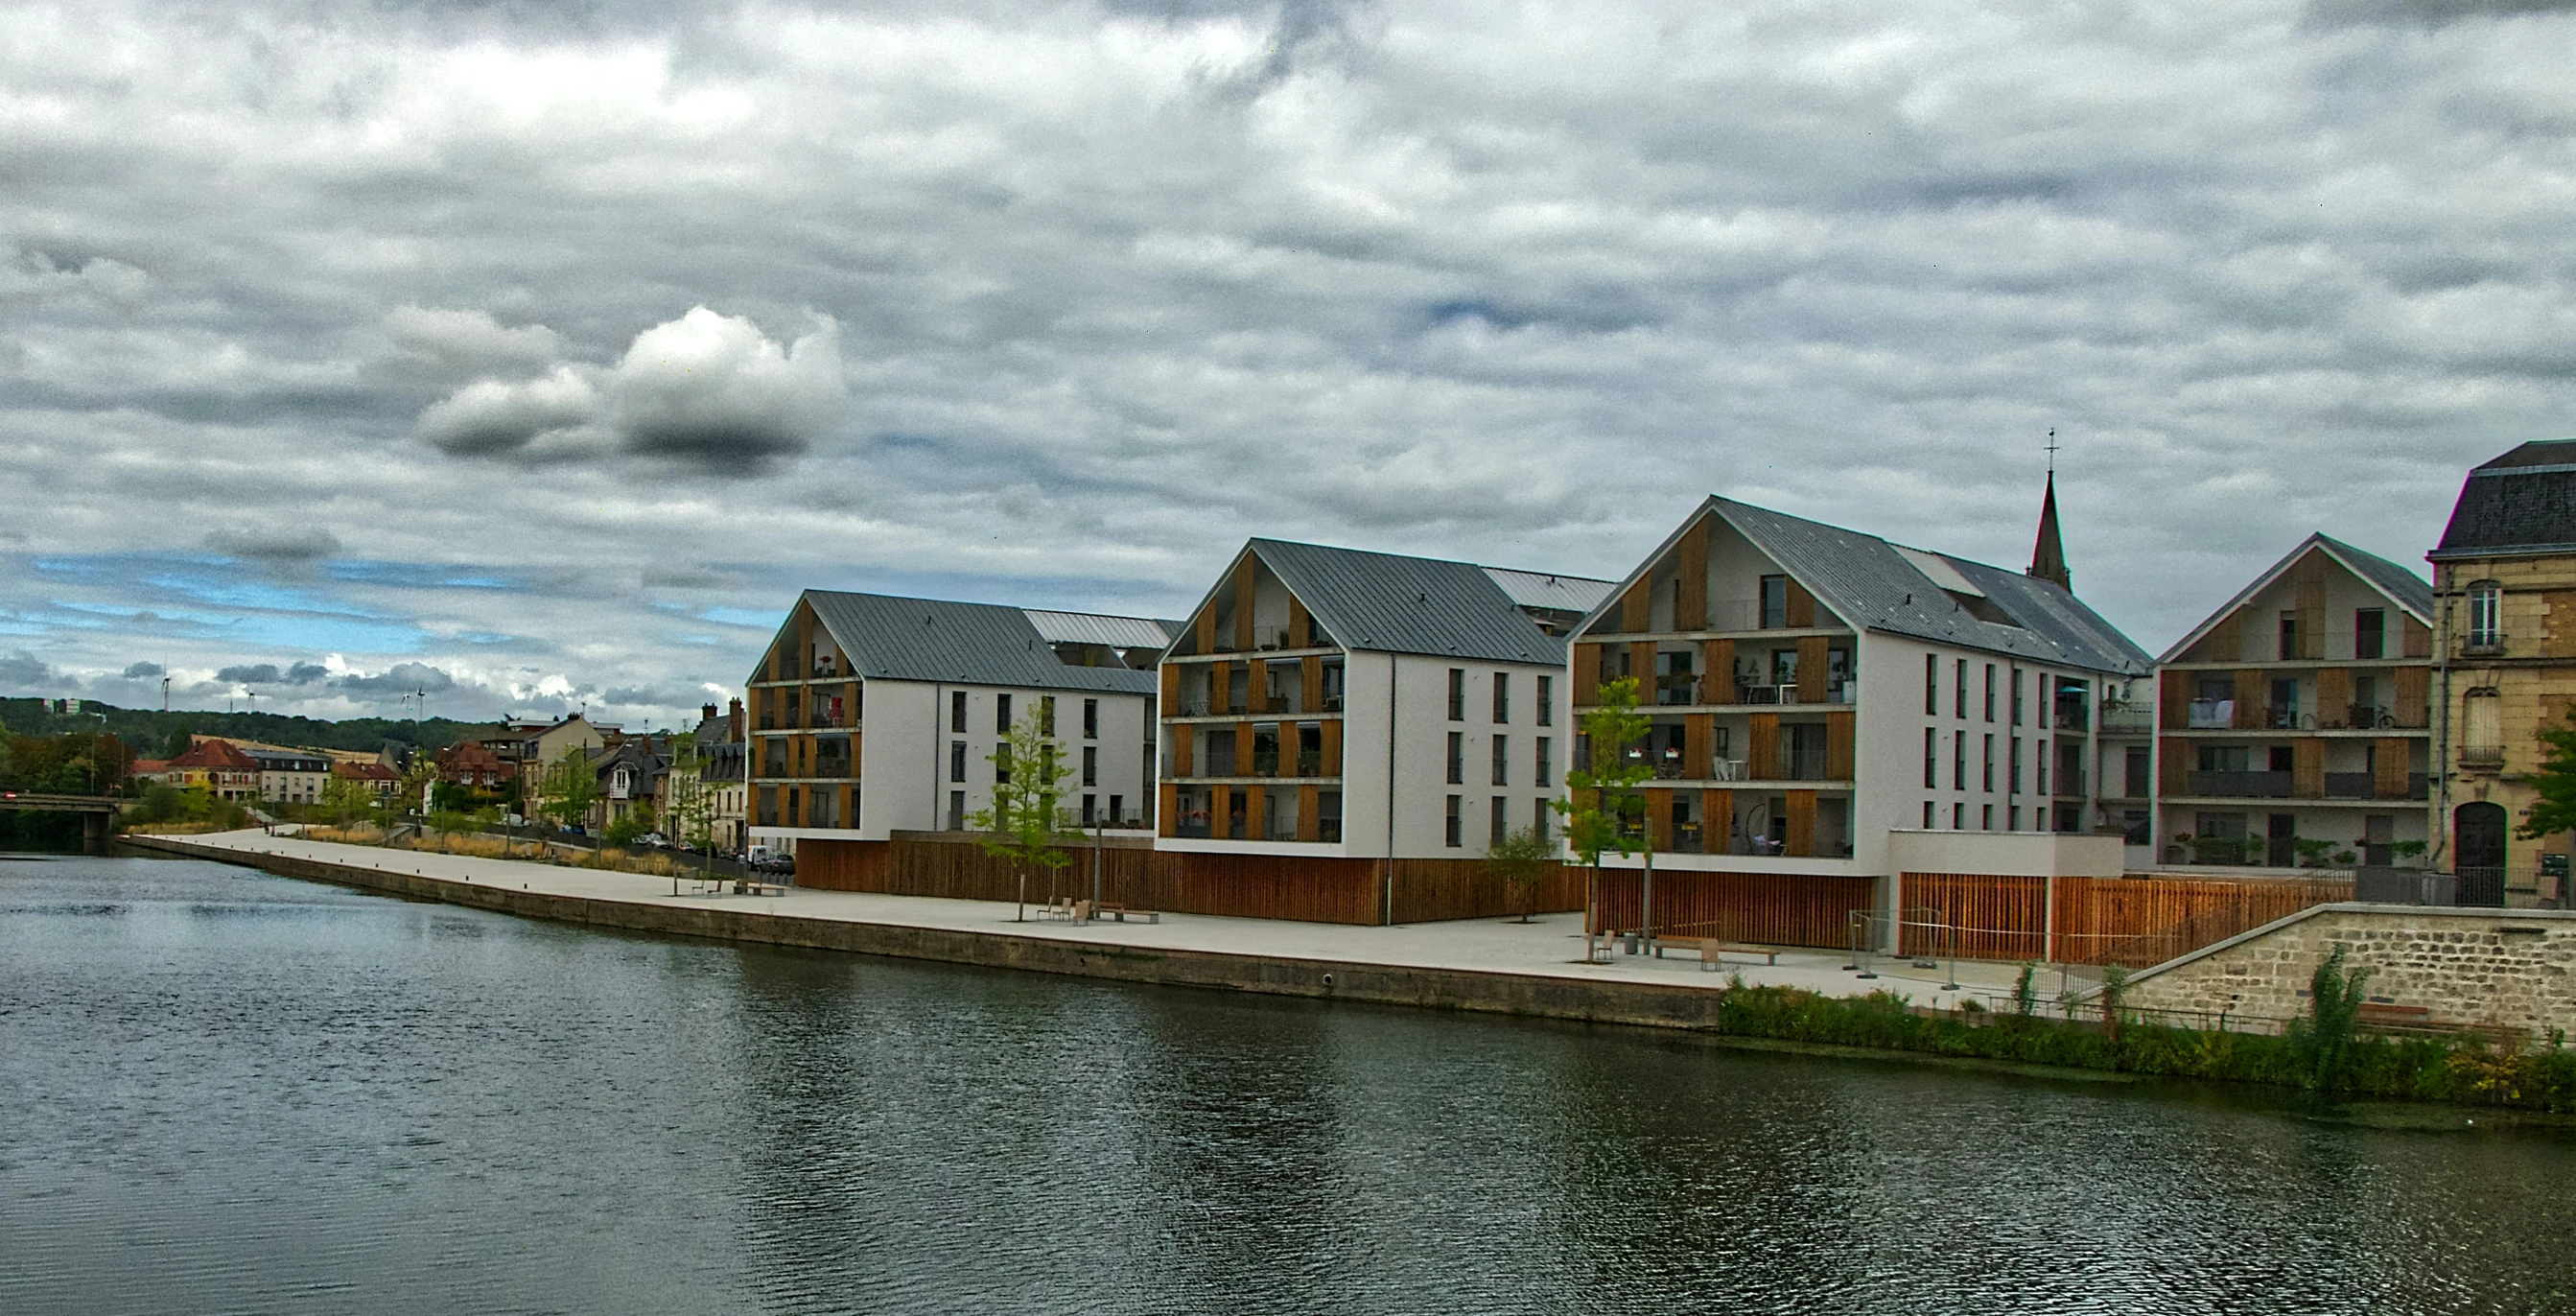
(1292, 887)
(2134, 922)
(1776, 909)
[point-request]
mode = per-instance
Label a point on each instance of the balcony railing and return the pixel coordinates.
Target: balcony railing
(2482, 756)
(2241, 785)
(2128, 720)
(1802, 765)
(2070, 718)
(2068, 785)
(2211, 714)
(1310, 763)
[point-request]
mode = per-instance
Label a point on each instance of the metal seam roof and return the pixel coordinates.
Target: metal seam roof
(889, 638)
(1388, 603)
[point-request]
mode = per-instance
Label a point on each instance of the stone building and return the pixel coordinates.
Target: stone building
(2504, 579)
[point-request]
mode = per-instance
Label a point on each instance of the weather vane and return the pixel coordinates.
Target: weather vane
(2052, 450)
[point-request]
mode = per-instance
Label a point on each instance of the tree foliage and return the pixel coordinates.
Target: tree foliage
(2554, 785)
(569, 787)
(1598, 791)
(1027, 824)
(1519, 860)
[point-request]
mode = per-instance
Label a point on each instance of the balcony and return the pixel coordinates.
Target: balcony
(2241, 785)
(2482, 757)
(2070, 785)
(1802, 765)
(2211, 715)
(1310, 763)
(2128, 720)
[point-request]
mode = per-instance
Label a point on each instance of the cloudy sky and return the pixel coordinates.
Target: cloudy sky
(536, 354)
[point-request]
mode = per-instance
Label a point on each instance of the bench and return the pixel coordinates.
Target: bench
(1709, 948)
(753, 887)
(1123, 913)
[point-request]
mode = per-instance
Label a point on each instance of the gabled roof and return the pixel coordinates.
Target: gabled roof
(1093, 628)
(1538, 589)
(1388, 603)
(2521, 502)
(888, 638)
(2394, 583)
(1875, 585)
(218, 755)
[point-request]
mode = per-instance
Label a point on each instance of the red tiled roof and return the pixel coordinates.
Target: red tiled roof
(364, 772)
(217, 755)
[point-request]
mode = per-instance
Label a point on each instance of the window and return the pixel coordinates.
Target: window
(1538, 819)
(1453, 840)
(1502, 761)
(1989, 778)
(957, 760)
(1958, 760)
(2016, 696)
(1091, 765)
(1931, 759)
(1990, 692)
(1457, 758)
(2039, 770)
(1091, 719)
(1959, 689)
(1958, 817)
(2486, 615)
(1775, 602)
(1986, 819)
(2013, 771)
(1002, 763)
(1457, 694)
(957, 811)
(957, 711)
(1046, 715)
(1090, 810)
(1116, 811)
(1542, 772)
(1927, 815)
(1502, 698)
(1547, 701)
(2289, 636)
(1931, 685)
(1502, 820)
(1001, 715)
(2369, 633)
(2012, 818)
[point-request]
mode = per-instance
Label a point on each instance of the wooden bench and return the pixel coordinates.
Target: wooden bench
(1710, 948)
(1123, 913)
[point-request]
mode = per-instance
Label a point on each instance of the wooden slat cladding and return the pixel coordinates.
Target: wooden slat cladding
(1717, 819)
(1256, 694)
(1310, 682)
(1182, 736)
(1659, 817)
(1167, 817)
(1243, 749)
(2308, 768)
(2412, 705)
(2389, 761)
(2334, 696)
(1800, 814)
(1762, 746)
(2416, 638)
(1637, 606)
(1717, 681)
(1308, 804)
(1802, 606)
(1811, 668)
(1246, 573)
(1841, 757)
(1220, 687)
(2251, 692)
(1641, 665)
(1988, 918)
(2175, 756)
(1587, 674)
(1171, 699)
(1698, 733)
(1769, 909)
(1301, 626)
(1434, 890)
(2174, 714)
(1332, 747)
(1207, 629)
(2131, 921)
(1690, 576)
(844, 865)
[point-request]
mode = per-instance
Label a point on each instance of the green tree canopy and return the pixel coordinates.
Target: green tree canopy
(570, 786)
(1598, 790)
(2555, 784)
(1026, 823)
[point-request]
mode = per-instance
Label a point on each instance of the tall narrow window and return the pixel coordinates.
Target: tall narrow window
(1546, 701)
(1986, 819)
(1502, 698)
(1931, 685)
(1091, 765)
(1958, 760)
(957, 811)
(2016, 696)
(2369, 633)
(2289, 636)
(1453, 837)
(1958, 817)
(1046, 715)
(1002, 763)
(2486, 615)
(1091, 719)
(1543, 772)
(1927, 815)
(1001, 715)
(1990, 692)
(957, 711)
(1538, 819)
(1775, 602)
(1931, 758)
(957, 760)
(1990, 765)
(2013, 771)
(1457, 758)
(1959, 690)
(1502, 825)
(1502, 761)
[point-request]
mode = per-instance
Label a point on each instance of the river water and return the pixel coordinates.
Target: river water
(222, 1091)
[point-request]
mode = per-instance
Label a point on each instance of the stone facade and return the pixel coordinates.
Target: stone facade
(2532, 677)
(2493, 968)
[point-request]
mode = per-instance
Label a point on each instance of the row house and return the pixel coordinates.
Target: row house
(2294, 723)
(372, 777)
(2504, 590)
(291, 776)
(217, 767)
(871, 714)
(1815, 690)
(1352, 707)
(721, 753)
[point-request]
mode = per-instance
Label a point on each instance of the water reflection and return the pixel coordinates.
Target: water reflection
(232, 1092)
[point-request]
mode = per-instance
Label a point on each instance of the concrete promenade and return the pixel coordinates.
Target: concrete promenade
(1480, 964)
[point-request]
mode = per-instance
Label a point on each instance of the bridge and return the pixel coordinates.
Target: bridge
(95, 809)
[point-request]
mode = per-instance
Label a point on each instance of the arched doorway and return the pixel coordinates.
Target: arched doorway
(2477, 851)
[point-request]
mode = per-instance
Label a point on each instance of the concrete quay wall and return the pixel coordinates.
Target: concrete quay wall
(1639, 1004)
(2511, 969)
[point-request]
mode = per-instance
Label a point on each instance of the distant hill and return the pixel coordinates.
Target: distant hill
(149, 730)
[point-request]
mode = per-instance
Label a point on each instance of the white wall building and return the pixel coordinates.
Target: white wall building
(873, 714)
(1338, 705)
(1814, 690)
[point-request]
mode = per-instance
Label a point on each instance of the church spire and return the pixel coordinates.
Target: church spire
(2048, 555)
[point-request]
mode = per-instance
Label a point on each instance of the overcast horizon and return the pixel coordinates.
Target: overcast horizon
(536, 356)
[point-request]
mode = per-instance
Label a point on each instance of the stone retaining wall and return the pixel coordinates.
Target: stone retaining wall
(2491, 968)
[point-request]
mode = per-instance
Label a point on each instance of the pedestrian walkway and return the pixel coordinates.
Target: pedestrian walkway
(1549, 946)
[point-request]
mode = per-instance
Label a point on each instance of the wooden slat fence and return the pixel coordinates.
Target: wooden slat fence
(2134, 922)
(1774, 909)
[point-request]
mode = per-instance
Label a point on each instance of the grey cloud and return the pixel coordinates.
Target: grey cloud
(142, 671)
(276, 548)
(2427, 12)
(399, 679)
(23, 671)
(250, 674)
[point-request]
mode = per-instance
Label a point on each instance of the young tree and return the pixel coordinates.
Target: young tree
(569, 788)
(691, 811)
(345, 800)
(1520, 859)
(2555, 784)
(419, 782)
(1598, 792)
(1026, 823)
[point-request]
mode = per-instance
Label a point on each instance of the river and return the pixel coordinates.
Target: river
(222, 1091)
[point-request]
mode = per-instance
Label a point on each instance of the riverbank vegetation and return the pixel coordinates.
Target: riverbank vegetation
(2325, 1052)
(483, 845)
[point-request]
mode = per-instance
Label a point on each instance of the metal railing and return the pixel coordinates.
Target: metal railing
(2240, 785)
(2210, 715)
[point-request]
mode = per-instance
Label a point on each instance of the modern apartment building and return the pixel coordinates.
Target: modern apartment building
(2296, 717)
(1814, 690)
(872, 714)
(1346, 707)
(291, 776)
(2504, 581)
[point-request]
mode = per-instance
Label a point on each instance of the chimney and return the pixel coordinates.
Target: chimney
(706, 712)
(733, 719)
